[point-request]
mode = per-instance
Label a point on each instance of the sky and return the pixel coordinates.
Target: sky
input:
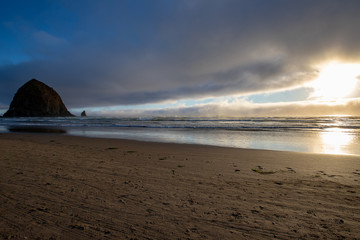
(185, 57)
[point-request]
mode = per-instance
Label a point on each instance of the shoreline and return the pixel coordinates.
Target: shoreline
(44, 131)
(64, 131)
(315, 135)
(61, 186)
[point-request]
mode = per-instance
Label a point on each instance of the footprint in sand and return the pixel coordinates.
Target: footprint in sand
(260, 170)
(291, 170)
(325, 174)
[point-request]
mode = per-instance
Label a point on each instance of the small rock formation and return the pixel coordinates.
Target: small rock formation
(83, 113)
(36, 99)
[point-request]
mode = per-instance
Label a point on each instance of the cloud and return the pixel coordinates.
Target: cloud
(224, 107)
(134, 52)
(46, 38)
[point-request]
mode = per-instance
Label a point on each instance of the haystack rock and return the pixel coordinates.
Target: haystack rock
(36, 99)
(83, 114)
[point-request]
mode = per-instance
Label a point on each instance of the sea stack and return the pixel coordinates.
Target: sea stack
(83, 114)
(36, 99)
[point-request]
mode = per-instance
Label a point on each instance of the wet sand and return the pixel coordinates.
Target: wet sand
(62, 187)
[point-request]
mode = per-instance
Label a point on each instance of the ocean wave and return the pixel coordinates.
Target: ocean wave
(231, 124)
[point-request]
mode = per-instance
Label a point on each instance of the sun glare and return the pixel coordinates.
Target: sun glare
(335, 81)
(336, 141)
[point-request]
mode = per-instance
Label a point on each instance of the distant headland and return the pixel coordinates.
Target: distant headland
(36, 99)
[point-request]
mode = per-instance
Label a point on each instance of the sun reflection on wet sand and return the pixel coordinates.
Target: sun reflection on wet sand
(336, 141)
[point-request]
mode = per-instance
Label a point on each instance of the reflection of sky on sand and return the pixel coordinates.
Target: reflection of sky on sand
(330, 141)
(336, 141)
(331, 135)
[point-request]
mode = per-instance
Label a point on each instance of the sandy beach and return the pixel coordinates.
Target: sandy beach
(55, 186)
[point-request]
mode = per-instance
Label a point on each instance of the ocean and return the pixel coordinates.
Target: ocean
(328, 134)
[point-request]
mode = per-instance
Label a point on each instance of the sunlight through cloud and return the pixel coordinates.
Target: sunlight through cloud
(336, 81)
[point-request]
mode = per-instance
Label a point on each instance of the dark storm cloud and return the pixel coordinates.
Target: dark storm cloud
(119, 52)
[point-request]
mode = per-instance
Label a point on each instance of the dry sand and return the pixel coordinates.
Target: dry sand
(64, 187)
